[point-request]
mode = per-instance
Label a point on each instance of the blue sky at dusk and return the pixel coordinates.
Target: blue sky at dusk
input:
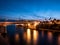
(29, 9)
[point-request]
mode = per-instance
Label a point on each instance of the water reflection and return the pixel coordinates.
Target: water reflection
(28, 36)
(59, 40)
(24, 36)
(32, 36)
(35, 37)
(17, 37)
(50, 36)
(42, 34)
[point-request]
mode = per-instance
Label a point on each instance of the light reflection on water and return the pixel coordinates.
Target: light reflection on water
(24, 36)
(50, 36)
(59, 40)
(17, 37)
(35, 36)
(42, 34)
(28, 36)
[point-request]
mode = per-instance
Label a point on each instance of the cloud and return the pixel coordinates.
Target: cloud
(47, 14)
(34, 15)
(41, 15)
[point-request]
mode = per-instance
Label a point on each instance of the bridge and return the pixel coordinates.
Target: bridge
(30, 25)
(10, 23)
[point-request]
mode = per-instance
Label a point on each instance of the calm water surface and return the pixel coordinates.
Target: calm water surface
(32, 37)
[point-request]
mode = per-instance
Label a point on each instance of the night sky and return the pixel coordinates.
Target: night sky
(29, 9)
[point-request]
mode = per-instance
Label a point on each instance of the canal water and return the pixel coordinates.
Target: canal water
(22, 36)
